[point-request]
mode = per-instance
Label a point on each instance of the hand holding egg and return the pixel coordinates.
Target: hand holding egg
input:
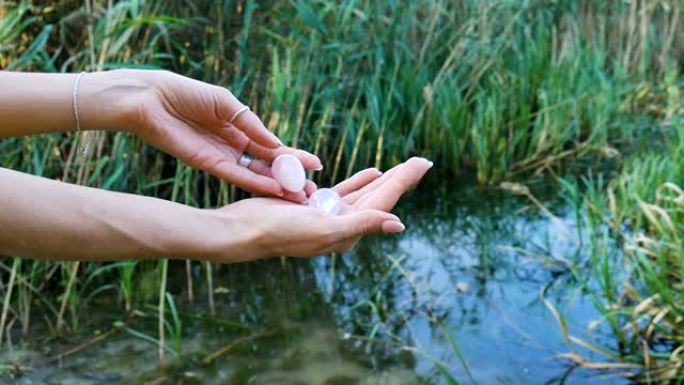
(289, 172)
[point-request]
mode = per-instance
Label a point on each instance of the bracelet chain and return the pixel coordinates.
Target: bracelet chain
(85, 146)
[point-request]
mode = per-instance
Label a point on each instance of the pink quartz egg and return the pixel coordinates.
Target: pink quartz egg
(327, 200)
(289, 172)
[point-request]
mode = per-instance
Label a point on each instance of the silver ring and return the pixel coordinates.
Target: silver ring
(245, 160)
(238, 112)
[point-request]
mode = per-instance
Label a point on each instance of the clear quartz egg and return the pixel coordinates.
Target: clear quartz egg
(327, 200)
(289, 172)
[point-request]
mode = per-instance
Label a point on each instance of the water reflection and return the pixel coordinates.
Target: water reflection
(457, 281)
(460, 288)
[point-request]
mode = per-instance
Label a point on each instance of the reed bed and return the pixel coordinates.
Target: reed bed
(501, 88)
(634, 234)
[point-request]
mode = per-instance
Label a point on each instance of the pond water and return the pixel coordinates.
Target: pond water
(460, 290)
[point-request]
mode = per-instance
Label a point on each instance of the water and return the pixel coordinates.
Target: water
(461, 289)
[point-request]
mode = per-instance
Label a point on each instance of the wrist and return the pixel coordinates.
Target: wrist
(229, 238)
(111, 100)
(181, 232)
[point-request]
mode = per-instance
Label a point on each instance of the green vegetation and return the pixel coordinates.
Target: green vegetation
(634, 229)
(501, 88)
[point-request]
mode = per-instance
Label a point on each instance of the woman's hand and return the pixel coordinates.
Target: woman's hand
(190, 120)
(64, 221)
(186, 118)
(272, 227)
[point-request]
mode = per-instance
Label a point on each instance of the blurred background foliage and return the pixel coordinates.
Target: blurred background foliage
(497, 87)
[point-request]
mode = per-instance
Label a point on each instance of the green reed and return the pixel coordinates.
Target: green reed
(634, 231)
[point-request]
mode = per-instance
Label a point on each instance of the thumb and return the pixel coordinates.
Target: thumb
(369, 221)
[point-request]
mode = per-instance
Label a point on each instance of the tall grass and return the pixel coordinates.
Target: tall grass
(635, 238)
(503, 88)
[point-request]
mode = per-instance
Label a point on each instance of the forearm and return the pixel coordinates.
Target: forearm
(42, 218)
(35, 103)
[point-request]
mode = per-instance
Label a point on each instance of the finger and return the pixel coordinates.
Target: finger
(309, 161)
(297, 197)
(352, 197)
(260, 168)
(248, 122)
(241, 143)
(365, 222)
(357, 181)
(310, 188)
(245, 178)
(386, 195)
(389, 227)
(234, 137)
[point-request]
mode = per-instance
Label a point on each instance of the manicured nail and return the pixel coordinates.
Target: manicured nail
(393, 227)
(429, 162)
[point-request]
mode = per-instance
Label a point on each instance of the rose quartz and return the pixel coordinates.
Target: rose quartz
(289, 172)
(327, 200)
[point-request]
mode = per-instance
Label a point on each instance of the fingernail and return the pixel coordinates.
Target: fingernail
(393, 227)
(319, 168)
(429, 162)
(314, 187)
(280, 193)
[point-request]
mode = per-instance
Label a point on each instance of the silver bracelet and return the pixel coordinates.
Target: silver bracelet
(85, 146)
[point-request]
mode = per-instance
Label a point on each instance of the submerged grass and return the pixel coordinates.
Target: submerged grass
(503, 88)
